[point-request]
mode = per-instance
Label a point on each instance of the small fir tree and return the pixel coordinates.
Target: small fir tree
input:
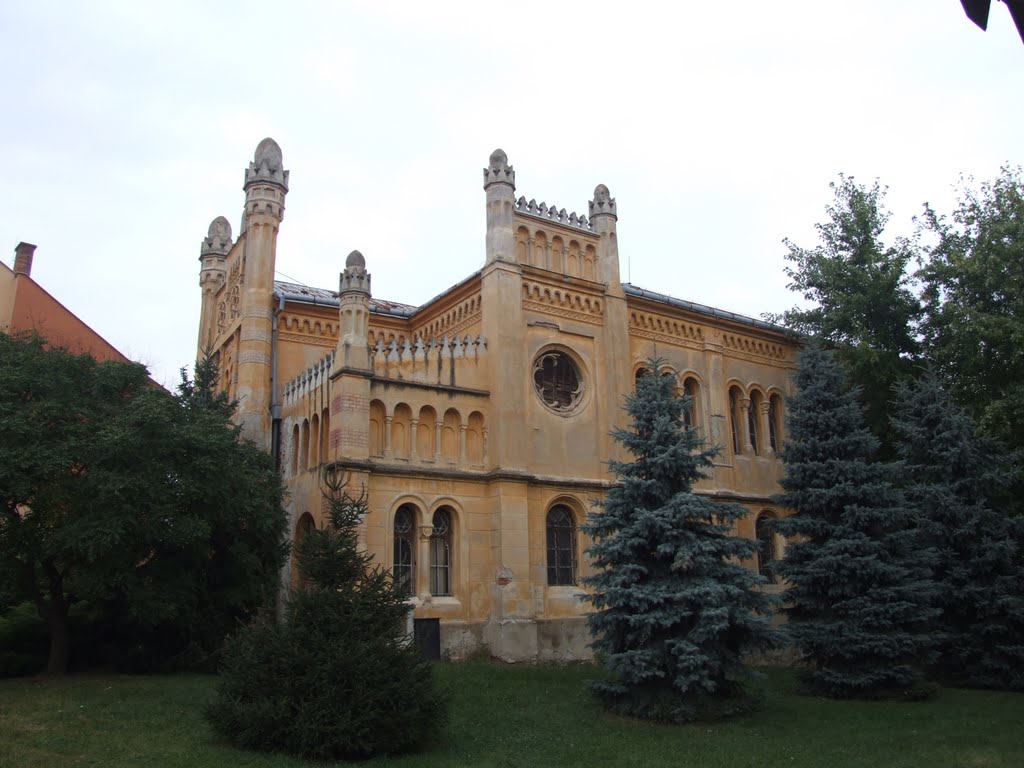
(860, 600)
(959, 482)
(674, 608)
(335, 677)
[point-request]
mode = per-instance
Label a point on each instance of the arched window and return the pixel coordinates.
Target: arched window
(753, 414)
(441, 553)
(314, 441)
(690, 392)
(765, 534)
(561, 529)
(734, 418)
(640, 373)
(774, 421)
(295, 450)
(404, 568)
(304, 447)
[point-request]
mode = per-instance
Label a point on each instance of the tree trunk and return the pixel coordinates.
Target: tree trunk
(54, 612)
(57, 620)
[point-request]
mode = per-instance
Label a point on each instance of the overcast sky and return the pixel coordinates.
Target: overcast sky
(717, 127)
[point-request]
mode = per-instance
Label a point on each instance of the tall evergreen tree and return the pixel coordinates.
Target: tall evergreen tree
(334, 678)
(958, 482)
(860, 600)
(674, 609)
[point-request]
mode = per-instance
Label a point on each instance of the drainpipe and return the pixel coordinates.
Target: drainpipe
(275, 405)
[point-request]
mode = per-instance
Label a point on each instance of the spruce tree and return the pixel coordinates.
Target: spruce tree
(335, 677)
(860, 594)
(674, 608)
(959, 482)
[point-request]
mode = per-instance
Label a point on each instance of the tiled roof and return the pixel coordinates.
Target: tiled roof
(325, 296)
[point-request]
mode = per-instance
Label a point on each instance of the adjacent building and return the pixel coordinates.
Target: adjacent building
(26, 307)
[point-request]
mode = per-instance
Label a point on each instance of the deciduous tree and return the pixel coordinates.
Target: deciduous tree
(861, 300)
(973, 326)
(146, 506)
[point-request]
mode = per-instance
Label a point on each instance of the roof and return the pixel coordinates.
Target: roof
(296, 292)
(304, 293)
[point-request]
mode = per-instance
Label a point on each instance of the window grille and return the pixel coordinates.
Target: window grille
(561, 530)
(766, 543)
(405, 549)
(441, 554)
(557, 381)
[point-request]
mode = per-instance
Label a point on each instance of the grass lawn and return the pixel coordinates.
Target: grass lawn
(519, 716)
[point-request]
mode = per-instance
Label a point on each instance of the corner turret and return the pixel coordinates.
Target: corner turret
(212, 271)
(500, 186)
(354, 314)
(603, 218)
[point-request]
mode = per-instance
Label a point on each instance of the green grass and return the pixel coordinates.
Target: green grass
(519, 716)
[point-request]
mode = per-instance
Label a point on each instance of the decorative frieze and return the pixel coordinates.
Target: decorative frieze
(751, 346)
(451, 322)
(661, 328)
(562, 303)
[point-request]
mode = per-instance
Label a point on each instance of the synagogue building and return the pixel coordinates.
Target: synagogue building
(479, 422)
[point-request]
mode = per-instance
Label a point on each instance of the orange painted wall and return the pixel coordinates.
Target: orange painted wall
(31, 308)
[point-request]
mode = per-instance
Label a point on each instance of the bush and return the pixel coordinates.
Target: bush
(334, 678)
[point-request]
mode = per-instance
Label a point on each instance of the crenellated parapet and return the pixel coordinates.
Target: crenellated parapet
(553, 213)
(309, 381)
(426, 361)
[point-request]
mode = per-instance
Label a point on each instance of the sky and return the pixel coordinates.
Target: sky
(717, 127)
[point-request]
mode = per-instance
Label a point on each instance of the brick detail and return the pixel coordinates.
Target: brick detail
(262, 313)
(255, 334)
(260, 358)
(348, 438)
(350, 403)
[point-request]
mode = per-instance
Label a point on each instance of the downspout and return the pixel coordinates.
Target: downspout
(275, 406)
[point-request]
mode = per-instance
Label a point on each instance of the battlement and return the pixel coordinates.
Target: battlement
(309, 380)
(554, 214)
(431, 361)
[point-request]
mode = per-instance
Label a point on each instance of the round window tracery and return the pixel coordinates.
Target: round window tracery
(557, 380)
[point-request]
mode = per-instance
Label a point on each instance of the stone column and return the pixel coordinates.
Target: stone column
(764, 428)
(744, 426)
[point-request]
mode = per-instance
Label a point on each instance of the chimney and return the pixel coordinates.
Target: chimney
(23, 259)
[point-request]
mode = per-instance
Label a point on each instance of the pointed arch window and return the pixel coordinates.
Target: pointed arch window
(561, 530)
(404, 568)
(441, 553)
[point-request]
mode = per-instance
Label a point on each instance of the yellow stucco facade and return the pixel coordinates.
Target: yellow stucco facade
(479, 422)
